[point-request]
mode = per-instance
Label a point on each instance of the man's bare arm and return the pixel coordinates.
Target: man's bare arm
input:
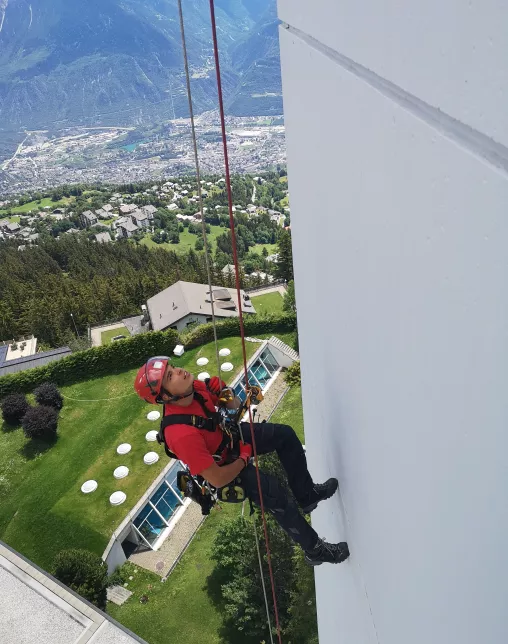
(220, 476)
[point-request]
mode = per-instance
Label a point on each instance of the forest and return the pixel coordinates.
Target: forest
(43, 285)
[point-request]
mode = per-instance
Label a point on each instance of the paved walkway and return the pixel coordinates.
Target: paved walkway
(160, 561)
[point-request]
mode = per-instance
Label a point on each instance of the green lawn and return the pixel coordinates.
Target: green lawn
(187, 240)
(39, 205)
(268, 303)
(290, 412)
(107, 336)
(180, 611)
(41, 507)
(258, 248)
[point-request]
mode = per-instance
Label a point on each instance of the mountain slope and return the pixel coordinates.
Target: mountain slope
(67, 62)
(256, 57)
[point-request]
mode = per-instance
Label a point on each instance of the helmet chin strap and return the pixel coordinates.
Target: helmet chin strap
(175, 398)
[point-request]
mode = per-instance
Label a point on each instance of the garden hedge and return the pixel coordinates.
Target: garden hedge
(91, 363)
(132, 352)
(253, 324)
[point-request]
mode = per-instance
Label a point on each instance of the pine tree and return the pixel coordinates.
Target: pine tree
(285, 259)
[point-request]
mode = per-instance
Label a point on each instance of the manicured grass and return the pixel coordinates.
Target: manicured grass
(188, 360)
(268, 303)
(39, 205)
(42, 510)
(187, 240)
(181, 610)
(107, 336)
(290, 412)
(258, 248)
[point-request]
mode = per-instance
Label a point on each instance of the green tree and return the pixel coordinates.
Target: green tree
(83, 572)
(302, 625)
(239, 579)
(289, 304)
(285, 260)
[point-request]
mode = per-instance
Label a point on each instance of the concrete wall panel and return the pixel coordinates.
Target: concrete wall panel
(400, 238)
(451, 54)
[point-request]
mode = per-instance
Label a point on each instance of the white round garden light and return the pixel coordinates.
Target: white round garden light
(89, 486)
(150, 458)
(201, 362)
(151, 436)
(153, 415)
(203, 376)
(124, 448)
(117, 498)
(121, 472)
(226, 366)
(224, 352)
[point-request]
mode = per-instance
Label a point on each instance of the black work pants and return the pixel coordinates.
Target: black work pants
(283, 440)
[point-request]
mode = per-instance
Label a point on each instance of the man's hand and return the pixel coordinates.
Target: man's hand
(215, 385)
(245, 452)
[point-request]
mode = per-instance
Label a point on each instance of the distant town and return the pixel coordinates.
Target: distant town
(161, 214)
(45, 159)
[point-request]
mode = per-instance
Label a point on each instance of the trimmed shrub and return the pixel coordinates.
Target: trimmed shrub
(84, 572)
(14, 407)
(48, 395)
(40, 422)
(94, 362)
(293, 375)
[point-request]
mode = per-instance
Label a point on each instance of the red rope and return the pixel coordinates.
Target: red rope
(239, 296)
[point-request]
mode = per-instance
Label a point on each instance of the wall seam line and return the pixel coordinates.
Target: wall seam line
(475, 142)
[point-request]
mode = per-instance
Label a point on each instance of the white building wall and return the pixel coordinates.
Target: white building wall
(404, 379)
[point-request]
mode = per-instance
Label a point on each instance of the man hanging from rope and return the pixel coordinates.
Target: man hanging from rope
(192, 431)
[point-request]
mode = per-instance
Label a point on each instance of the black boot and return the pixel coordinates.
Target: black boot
(320, 492)
(327, 553)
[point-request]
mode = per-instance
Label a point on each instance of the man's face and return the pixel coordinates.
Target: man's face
(177, 381)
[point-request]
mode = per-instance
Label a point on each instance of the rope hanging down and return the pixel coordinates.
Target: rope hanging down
(240, 310)
(198, 177)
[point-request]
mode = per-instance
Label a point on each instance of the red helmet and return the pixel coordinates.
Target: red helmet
(148, 383)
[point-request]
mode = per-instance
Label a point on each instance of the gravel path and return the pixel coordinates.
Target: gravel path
(271, 398)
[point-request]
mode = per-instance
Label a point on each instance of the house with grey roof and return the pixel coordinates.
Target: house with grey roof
(102, 238)
(127, 229)
(127, 208)
(12, 229)
(88, 219)
(35, 360)
(140, 218)
(149, 210)
(187, 303)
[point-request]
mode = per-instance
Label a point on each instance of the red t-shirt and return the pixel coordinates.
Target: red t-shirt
(195, 447)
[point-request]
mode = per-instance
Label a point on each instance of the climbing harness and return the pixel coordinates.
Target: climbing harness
(195, 487)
